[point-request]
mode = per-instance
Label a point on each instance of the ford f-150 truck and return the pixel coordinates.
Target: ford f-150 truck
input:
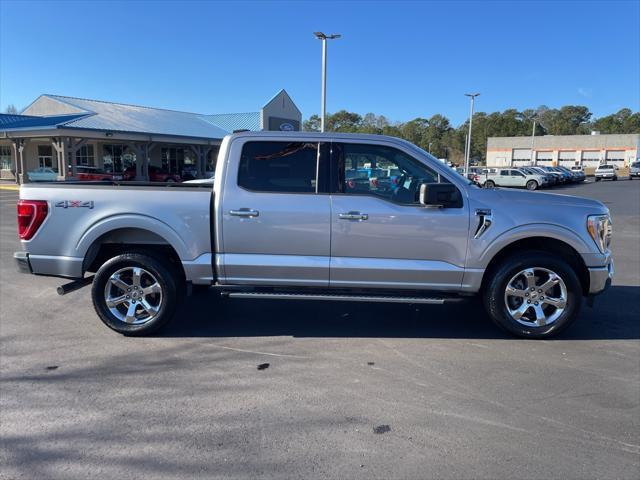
(290, 217)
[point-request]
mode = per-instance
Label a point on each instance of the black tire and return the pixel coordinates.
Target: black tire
(597, 179)
(489, 184)
(532, 185)
(164, 275)
(615, 179)
(494, 293)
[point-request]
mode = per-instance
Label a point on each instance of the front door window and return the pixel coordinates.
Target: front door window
(383, 172)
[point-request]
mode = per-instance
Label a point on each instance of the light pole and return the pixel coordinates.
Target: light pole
(324, 38)
(472, 96)
(533, 138)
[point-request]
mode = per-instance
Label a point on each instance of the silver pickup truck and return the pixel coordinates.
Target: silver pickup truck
(310, 216)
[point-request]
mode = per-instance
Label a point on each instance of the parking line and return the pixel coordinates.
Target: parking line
(9, 187)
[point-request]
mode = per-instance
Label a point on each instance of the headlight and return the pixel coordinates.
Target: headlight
(600, 229)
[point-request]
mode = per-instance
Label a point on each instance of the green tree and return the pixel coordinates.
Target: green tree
(312, 124)
(623, 121)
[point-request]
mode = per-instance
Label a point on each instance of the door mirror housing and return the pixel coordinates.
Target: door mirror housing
(444, 195)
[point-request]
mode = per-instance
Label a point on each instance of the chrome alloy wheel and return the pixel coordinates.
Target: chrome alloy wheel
(535, 297)
(133, 295)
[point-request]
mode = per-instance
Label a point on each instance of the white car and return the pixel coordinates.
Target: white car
(42, 174)
(202, 181)
(634, 170)
(606, 171)
(513, 177)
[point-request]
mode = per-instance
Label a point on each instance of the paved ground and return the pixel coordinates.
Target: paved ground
(351, 391)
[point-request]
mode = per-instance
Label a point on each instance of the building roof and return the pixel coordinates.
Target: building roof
(82, 113)
(11, 121)
(234, 121)
(121, 117)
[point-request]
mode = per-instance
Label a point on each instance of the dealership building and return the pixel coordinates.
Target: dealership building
(64, 133)
(563, 150)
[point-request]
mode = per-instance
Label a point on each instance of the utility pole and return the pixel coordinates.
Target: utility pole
(472, 96)
(533, 137)
(323, 108)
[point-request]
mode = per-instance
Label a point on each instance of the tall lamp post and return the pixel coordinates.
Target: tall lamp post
(324, 38)
(472, 96)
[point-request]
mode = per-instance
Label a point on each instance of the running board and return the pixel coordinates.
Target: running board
(342, 298)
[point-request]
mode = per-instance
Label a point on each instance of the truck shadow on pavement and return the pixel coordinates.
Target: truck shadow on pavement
(614, 316)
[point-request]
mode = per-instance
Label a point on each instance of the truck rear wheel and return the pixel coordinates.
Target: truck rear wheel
(533, 295)
(134, 294)
(489, 184)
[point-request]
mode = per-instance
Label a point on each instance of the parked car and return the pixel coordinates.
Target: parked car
(513, 177)
(563, 177)
(42, 174)
(634, 170)
(605, 171)
(548, 180)
(553, 177)
(86, 173)
(281, 224)
(576, 176)
(156, 174)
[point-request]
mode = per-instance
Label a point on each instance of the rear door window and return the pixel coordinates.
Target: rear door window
(280, 167)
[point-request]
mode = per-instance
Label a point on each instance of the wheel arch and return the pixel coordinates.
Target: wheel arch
(545, 244)
(118, 235)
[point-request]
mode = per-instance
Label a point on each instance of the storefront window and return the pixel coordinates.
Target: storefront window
(116, 158)
(45, 157)
(173, 160)
(5, 157)
(85, 156)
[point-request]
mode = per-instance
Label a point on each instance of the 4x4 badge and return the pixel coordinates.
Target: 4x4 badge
(74, 204)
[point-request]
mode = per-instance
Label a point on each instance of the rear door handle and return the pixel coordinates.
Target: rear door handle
(244, 212)
(353, 216)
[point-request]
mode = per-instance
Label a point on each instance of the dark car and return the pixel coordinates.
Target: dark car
(156, 174)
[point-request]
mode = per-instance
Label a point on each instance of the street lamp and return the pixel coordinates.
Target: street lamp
(324, 38)
(472, 96)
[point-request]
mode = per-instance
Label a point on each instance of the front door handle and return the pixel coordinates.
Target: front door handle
(244, 212)
(353, 216)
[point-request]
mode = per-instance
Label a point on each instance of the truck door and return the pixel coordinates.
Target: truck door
(276, 220)
(381, 237)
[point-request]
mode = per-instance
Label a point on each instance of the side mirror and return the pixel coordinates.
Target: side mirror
(443, 195)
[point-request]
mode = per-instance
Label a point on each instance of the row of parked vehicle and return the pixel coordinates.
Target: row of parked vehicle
(85, 173)
(531, 178)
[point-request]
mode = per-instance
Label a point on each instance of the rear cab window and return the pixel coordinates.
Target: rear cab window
(282, 167)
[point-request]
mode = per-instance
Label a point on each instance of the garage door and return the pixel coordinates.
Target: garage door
(616, 157)
(544, 159)
(567, 158)
(590, 158)
(520, 157)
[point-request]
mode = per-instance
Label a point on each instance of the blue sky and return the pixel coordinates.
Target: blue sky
(399, 59)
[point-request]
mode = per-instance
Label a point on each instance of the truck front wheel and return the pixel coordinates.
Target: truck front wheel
(134, 294)
(533, 295)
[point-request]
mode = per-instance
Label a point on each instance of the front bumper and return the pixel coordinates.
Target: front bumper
(22, 262)
(600, 278)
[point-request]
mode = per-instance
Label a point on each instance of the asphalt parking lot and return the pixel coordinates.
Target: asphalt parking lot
(350, 390)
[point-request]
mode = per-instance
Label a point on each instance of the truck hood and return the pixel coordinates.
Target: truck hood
(519, 197)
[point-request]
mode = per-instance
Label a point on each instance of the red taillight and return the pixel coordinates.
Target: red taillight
(31, 214)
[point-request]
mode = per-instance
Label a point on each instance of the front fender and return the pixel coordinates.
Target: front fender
(481, 252)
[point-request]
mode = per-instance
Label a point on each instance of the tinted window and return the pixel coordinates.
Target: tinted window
(504, 173)
(383, 172)
(283, 167)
